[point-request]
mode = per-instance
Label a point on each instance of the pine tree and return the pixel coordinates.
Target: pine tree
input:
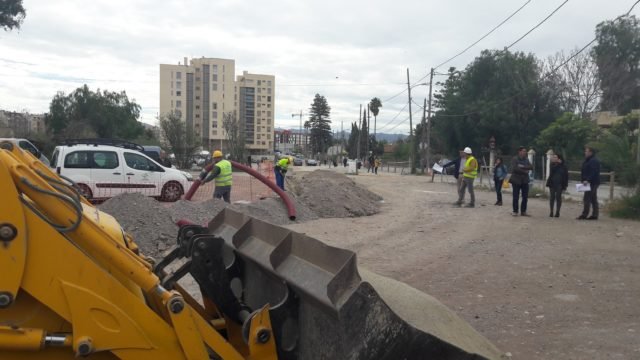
(352, 144)
(320, 124)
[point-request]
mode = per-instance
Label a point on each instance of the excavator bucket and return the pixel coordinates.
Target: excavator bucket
(321, 305)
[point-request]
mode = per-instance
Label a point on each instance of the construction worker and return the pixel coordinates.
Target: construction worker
(469, 174)
(281, 169)
(222, 173)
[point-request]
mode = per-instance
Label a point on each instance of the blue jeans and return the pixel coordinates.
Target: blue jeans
(517, 188)
(498, 183)
(279, 179)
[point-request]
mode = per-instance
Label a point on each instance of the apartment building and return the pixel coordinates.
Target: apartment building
(202, 90)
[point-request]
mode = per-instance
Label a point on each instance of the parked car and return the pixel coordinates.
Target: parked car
(103, 171)
(27, 145)
(298, 161)
(312, 162)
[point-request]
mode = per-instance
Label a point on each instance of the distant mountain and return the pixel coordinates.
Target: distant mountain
(390, 138)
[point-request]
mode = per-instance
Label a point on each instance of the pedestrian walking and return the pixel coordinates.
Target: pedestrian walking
(520, 167)
(281, 170)
(371, 163)
(557, 182)
(377, 162)
(499, 174)
(590, 175)
(468, 175)
(344, 161)
(223, 174)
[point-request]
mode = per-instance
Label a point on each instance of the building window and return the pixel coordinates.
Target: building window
(197, 97)
(268, 82)
(268, 128)
(215, 69)
(197, 88)
(258, 90)
(178, 93)
(197, 79)
(197, 116)
(259, 82)
(269, 90)
(214, 125)
(215, 115)
(214, 106)
(268, 98)
(268, 136)
(264, 143)
(178, 75)
(197, 107)
(214, 87)
(197, 69)
(269, 113)
(258, 136)
(258, 105)
(178, 84)
(214, 132)
(215, 77)
(178, 103)
(268, 106)
(178, 113)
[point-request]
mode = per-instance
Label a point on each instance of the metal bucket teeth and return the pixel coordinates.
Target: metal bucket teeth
(321, 306)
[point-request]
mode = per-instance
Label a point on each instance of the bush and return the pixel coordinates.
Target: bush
(626, 208)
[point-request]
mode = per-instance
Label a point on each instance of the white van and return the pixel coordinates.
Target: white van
(104, 171)
(27, 145)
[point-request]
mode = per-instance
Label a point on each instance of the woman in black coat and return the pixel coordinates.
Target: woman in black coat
(557, 183)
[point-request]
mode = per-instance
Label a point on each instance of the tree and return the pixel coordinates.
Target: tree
(107, 114)
(364, 130)
(617, 55)
(180, 139)
(374, 105)
(617, 153)
(12, 14)
(235, 136)
(499, 94)
(352, 143)
(567, 135)
(577, 81)
(320, 124)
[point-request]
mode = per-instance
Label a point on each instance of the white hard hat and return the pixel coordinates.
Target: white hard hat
(467, 150)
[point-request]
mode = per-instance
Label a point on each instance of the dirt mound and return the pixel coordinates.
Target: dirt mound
(274, 211)
(200, 212)
(147, 220)
(333, 195)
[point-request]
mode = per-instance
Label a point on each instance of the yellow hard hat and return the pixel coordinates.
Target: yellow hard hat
(217, 154)
(290, 159)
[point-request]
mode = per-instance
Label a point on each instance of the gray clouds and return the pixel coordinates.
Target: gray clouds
(118, 45)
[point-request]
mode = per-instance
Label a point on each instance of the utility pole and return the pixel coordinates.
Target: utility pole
(429, 121)
(366, 139)
(412, 143)
(638, 144)
(423, 135)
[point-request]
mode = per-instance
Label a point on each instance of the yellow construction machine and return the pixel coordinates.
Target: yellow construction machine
(74, 284)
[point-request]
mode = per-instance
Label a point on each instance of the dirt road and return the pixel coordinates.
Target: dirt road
(538, 287)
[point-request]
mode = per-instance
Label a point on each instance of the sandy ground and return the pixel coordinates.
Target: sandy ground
(537, 287)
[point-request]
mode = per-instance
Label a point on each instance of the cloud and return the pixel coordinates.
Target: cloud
(348, 51)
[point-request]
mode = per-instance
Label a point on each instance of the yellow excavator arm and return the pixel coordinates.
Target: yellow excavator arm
(75, 284)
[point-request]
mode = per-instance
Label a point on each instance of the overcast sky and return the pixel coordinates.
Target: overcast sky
(348, 51)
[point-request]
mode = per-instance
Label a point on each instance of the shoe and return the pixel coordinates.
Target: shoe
(457, 204)
(499, 203)
(515, 213)
(592, 218)
(469, 206)
(557, 214)
(524, 214)
(551, 214)
(581, 217)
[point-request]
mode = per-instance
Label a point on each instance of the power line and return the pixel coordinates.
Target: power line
(394, 96)
(394, 118)
(551, 72)
(525, 34)
(403, 121)
(484, 36)
(540, 23)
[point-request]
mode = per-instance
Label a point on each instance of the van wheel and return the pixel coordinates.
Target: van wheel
(85, 191)
(171, 192)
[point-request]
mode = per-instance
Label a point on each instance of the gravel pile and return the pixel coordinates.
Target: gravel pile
(333, 195)
(317, 194)
(147, 220)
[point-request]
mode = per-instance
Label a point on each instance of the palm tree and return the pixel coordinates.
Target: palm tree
(374, 105)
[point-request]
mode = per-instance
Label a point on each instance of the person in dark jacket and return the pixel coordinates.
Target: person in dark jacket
(457, 165)
(557, 182)
(520, 167)
(590, 176)
(499, 174)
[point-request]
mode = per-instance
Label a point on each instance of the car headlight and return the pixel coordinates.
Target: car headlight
(187, 175)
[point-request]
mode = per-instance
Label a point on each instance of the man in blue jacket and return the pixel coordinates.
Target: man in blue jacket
(590, 176)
